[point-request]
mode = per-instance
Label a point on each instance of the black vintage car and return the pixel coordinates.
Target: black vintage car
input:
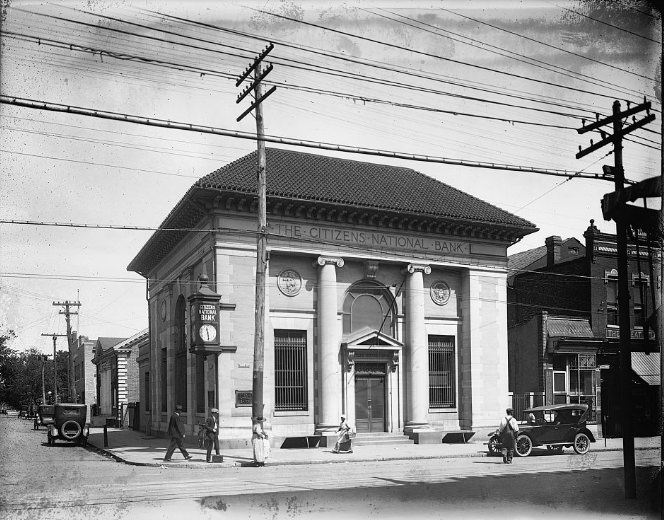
(555, 426)
(69, 424)
(45, 416)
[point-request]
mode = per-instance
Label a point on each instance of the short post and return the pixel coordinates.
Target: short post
(105, 436)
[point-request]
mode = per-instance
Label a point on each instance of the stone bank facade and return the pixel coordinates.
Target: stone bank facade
(385, 300)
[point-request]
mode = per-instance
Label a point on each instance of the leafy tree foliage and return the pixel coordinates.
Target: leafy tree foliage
(21, 374)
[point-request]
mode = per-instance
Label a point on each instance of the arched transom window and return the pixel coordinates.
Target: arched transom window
(369, 304)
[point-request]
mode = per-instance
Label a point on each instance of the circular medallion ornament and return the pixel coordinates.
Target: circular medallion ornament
(289, 282)
(440, 293)
(163, 310)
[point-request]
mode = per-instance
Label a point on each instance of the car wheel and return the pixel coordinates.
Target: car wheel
(70, 430)
(493, 446)
(523, 446)
(581, 443)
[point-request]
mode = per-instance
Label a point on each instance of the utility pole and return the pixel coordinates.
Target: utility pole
(261, 238)
(67, 312)
(622, 223)
(55, 365)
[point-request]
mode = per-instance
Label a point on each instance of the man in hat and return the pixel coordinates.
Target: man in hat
(212, 433)
(507, 432)
(177, 434)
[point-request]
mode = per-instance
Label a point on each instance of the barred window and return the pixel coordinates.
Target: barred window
(290, 370)
(442, 372)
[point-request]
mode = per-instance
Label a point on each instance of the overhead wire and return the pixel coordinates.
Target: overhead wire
(610, 25)
(505, 53)
(436, 56)
(538, 41)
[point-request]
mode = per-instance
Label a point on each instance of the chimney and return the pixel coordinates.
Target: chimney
(553, 244)
(589, 235)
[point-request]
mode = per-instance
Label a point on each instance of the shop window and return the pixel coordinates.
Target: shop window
(639, 298)
(290, 370)
(442, 372)
(612, 298)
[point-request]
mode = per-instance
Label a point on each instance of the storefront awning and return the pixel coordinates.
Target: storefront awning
(647, 367)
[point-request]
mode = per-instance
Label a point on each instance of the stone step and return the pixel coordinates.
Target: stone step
(381, 438)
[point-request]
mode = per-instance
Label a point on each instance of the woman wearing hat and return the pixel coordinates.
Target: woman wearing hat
(344, 443)
(212, 433)
(260, 442)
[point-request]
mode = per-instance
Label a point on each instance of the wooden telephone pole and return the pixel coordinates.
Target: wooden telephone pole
(55, 364)
(67, 312)
(261, 238)
(622, 222)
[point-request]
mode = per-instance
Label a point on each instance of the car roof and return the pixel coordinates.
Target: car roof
(552, 407)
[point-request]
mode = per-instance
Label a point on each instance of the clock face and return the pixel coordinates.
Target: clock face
(207, 332)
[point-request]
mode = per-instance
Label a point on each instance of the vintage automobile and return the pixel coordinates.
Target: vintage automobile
(69, 424)
(555, 426)
(45, 415)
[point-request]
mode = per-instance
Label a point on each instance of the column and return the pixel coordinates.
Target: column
(417, 347)
(329, 366)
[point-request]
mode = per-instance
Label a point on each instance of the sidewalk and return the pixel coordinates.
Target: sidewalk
(136, 448)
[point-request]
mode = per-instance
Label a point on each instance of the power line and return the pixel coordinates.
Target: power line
(291, 86)
(436, 56)
(538, 63)
(381, 66)
(611, 25)
(161, 123)
(536, 41)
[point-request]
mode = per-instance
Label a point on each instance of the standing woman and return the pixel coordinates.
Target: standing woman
(344, 443)
(259, 442)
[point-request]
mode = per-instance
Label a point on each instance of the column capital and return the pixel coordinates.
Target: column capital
(413, 268)
(324, 260)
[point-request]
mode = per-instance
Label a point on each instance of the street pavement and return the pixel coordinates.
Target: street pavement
(137, 448)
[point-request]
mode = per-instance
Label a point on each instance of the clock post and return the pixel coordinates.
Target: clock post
(204, 320)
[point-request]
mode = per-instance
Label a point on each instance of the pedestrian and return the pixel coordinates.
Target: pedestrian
(507, 432)
(260, 442)
(212, 433)
(344, 443)
(177, 435)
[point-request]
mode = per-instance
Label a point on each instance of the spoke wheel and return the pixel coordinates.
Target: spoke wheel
(523, 446)
(493, 446)
(581, 443)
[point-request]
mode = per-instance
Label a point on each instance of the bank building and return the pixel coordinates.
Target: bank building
(385, 301)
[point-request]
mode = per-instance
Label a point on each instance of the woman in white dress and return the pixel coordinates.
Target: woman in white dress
(260, 442)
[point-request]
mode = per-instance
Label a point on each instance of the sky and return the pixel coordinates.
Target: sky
(485, 82)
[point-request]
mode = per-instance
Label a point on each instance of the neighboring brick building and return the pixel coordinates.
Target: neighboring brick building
(85, 374)
(563, 326)
(385, 300)
(118, 374)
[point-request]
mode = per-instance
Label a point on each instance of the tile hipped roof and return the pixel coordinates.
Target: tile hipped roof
(568, 328)
(325, 180)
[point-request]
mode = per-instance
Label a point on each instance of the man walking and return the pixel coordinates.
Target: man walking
(507, 432)
(176, 432)
(212, 433)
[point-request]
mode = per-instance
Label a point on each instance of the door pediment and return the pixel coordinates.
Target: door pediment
(371, 345)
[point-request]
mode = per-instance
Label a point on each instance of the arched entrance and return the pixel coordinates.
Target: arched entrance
(372, 356)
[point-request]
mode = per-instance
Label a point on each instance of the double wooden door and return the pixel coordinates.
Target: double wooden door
(370, 403)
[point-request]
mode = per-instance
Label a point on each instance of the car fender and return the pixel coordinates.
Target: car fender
(588, 433)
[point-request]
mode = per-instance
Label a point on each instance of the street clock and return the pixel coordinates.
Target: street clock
(204, 320)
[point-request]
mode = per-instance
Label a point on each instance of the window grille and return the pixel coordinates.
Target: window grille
(442, 372)
(290, 370)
